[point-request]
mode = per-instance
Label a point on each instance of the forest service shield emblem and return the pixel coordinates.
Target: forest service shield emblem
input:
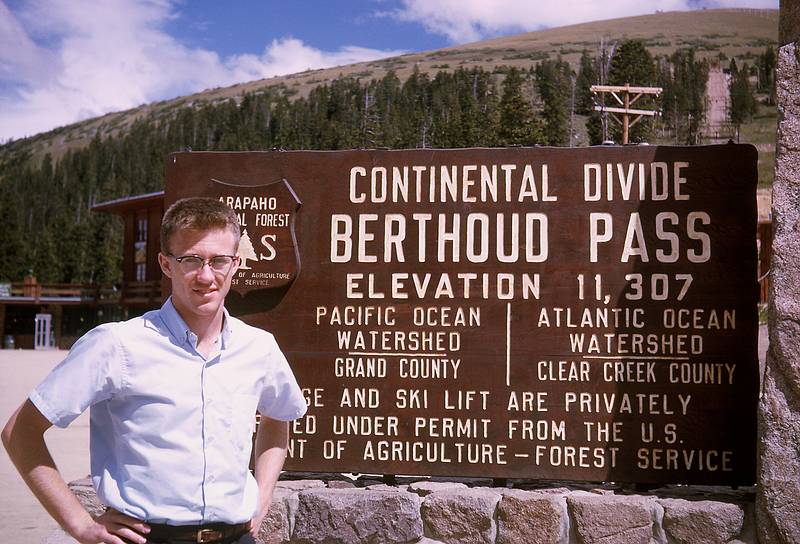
(269, 257)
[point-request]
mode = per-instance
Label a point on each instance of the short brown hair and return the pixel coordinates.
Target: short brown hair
(198, 213)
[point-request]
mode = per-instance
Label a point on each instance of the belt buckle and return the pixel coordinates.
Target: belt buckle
(208, 535)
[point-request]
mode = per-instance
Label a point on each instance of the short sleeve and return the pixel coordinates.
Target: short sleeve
(281, 397)
(92, 372)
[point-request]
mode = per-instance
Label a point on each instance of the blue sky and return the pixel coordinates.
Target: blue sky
(324, 25)
(62, 61)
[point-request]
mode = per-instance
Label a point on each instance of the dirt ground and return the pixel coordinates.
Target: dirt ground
(22, 516)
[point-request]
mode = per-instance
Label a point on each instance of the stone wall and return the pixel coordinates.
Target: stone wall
(779, 413)
(312, 511)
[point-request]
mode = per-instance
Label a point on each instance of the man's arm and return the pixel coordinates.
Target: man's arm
(272, 442)
(23, 438)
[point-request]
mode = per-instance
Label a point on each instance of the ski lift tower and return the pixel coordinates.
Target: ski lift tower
(629, 96)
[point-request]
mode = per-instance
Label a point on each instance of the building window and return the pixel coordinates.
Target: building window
(140, 249)
(141, 229)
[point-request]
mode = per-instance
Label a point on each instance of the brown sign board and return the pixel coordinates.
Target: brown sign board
(579, 314)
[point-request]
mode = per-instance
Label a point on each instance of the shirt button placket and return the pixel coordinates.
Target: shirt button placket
(213, 412)
(205, 440)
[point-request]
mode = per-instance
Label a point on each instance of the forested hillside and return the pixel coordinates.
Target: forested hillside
(48, 229)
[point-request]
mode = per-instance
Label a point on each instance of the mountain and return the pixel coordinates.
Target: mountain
(740, 33)
(508, 91)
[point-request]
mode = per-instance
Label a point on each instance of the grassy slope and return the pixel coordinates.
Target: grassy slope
(761, 133)
(740, 33)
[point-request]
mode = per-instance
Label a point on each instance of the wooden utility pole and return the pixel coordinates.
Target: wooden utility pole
(626, 101)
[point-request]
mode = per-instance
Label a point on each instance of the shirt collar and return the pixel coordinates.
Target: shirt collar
(225, 334)
(180, 330)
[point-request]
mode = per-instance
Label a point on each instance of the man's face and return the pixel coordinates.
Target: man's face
(199, 294)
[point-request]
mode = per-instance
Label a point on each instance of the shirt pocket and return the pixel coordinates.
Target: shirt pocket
(243, 420)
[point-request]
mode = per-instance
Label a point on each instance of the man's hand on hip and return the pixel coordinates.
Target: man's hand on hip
(110, 526)
(254, 525)
(272, 440)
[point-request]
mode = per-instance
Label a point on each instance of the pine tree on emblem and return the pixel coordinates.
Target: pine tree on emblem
(246, 251)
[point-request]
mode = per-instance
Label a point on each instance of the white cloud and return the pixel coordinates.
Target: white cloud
(470, 20)
(289, 55)
(20, 58)
(66, 60)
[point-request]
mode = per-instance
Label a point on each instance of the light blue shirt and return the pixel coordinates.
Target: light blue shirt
(171, 430)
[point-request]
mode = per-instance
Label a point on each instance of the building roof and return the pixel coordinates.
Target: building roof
(121, 205)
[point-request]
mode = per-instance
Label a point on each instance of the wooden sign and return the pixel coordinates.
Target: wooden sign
(582, 314)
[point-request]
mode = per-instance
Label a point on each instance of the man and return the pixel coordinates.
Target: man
(173, 396)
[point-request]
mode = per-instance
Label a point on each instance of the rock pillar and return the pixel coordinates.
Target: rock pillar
(778, 500)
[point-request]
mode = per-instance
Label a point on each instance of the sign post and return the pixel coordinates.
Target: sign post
(580, 314)
(626, 102)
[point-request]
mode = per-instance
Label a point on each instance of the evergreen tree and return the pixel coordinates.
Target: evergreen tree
(594, 129)
(554, 82)
(742, 102)
(468, 103)
(587, 76)
(767, 62)
(12, 250)
(633, 64)
(669, 111)
(683, 100)
(386, 100)
(482, 123)
(415, 120)
(446, 121)
(518, 124)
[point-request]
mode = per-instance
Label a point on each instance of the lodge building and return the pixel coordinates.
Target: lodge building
(37, 315)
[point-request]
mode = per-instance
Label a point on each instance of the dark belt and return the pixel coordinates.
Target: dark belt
(210, 533)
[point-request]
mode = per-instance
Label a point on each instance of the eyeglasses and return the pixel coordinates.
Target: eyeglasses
(194, 263)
